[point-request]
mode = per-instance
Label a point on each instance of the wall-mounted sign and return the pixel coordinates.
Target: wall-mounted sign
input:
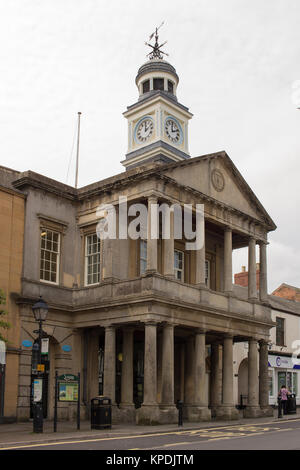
(26, 343)
(37, 390)
(45, 346)
(68, 386)
(66, 348)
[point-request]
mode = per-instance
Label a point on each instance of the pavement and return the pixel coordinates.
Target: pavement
(22, 433)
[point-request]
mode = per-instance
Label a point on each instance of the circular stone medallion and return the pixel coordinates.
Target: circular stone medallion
(217, 180)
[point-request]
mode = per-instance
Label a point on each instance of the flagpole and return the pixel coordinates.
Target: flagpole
(77, 154)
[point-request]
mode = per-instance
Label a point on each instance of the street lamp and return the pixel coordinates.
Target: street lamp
(40, 311)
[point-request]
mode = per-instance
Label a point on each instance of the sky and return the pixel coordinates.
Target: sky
(239, 69)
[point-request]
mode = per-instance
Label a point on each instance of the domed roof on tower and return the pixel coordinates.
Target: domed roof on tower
(157, 74)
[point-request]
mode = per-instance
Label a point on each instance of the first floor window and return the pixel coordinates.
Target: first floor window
(92, 259)
(207, 273)
(179, 265)
(143, 256)
(279, 331)
(50, 253)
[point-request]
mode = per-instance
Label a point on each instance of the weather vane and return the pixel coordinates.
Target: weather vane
(156, 53)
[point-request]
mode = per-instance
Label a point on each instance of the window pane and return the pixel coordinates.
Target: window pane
(92, 261)
(49, 256)
(146, 86)
(158, 83)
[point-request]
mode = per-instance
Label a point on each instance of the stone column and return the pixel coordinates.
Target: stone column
(168, 413)
(252, 290)
(264, 379)
(127, 405)
(167, 393)
(149, 411)
(152, 224)
(215, 392)
(263, 285)
(169, 250)
(252, 409)
(109, 385)
(189, 384)
(203, 413)
(228, 260)
(227, 410)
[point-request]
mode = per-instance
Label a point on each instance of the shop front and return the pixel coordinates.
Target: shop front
(282, 371)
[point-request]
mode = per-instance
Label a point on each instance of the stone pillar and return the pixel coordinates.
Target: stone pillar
(227, 410)
(167, 393)
(109, 386)
(201, 402)
(182, 370)
(228, 260)
(200, 265)
(264, 379)
(149, 411)
(127, 405)
(252, 409)
(189, 384)
(169, 250)
(252, 290)
(263, 285)
(168, 412)
(215, 392)
(152, 224)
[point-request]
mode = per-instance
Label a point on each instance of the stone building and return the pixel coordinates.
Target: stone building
(12, 203)
(147, 321)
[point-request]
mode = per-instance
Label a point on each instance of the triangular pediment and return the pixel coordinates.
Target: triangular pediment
(216, 176)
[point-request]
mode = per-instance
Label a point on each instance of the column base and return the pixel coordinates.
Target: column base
(148, 414)
(226, 413)
(267, 411)
(253, 412)
(168, 414)
(126, 413)
(194, 413)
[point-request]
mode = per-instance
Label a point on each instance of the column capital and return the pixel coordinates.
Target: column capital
(227, 228)
(200, 331)
(263, 342)
(150, 323)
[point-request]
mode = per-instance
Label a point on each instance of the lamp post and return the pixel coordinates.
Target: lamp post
(40, 311)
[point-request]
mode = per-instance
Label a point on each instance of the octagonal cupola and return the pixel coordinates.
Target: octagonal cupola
(157, 75)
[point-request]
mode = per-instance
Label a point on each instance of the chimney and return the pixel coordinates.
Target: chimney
(241, 279)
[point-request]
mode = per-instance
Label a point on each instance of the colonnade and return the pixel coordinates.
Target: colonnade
(197, 405)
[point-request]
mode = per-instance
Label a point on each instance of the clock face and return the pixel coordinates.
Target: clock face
(172, 130)
(144, 130)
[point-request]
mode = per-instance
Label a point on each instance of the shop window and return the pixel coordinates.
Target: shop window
(271, 384)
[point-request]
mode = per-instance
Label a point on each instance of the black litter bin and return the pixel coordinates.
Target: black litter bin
(100, 412)
(291, 404)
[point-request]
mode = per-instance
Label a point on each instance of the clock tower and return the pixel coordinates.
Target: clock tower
(157, 122)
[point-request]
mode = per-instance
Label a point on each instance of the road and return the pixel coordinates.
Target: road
(282, 435)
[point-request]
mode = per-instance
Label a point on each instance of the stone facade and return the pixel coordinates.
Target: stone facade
(12, 203)
(138, 330)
